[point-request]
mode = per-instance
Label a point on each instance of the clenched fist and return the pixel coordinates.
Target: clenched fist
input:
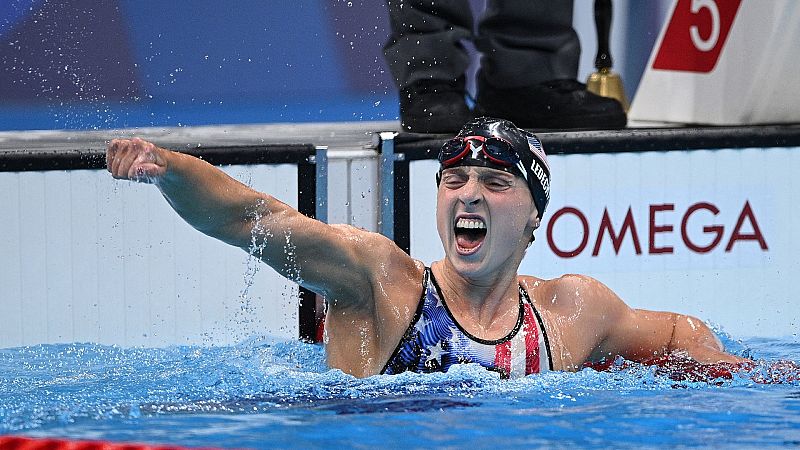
(136, 159)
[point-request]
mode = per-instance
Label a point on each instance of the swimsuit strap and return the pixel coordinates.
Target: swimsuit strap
(524, 293)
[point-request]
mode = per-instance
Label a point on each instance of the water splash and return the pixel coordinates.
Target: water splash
(53, 385)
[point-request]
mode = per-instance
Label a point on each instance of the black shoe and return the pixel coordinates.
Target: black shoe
(434, 106)
(555, 104)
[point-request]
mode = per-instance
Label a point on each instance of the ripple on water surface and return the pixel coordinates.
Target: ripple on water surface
(282, 392)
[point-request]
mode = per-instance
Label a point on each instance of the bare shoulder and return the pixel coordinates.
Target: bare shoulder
(385, 267)
(578, 312)
(376, 250)
(570, 293)
(568, 285)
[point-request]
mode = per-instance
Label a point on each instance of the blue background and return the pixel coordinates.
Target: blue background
(93, 64)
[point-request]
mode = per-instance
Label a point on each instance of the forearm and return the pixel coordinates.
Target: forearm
(210, 200)
(641, 335)
(693, 336)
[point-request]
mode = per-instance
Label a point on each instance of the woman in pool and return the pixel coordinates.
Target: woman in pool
(387, 312)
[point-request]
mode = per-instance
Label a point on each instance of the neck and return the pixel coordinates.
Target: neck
(484, 307)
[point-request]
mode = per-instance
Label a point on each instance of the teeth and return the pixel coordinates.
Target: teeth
(470, 223)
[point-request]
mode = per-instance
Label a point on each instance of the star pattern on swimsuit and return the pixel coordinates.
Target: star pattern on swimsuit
(422, 323)
(454, 345)
(435, 352)
(454, 331)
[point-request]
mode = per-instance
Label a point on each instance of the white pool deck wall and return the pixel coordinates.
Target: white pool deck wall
(86, 258)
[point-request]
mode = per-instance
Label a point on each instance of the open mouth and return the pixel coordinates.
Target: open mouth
(470, 233)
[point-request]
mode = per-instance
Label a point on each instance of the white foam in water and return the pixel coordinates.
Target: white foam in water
(282, 394)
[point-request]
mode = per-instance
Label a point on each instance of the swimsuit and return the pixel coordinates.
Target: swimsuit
(434, 341)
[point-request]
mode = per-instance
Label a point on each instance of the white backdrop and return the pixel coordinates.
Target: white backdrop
(86, 258)
(737, 284)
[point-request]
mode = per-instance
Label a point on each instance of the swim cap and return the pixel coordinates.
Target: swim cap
(499, 144)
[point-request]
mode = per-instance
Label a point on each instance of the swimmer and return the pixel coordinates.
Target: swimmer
(388, 313)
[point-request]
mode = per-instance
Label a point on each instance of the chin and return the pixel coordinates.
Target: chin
(467, 265)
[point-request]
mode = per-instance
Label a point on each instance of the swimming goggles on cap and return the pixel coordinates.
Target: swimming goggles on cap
(494, 149)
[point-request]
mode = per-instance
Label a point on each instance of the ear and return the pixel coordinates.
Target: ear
(534, 221)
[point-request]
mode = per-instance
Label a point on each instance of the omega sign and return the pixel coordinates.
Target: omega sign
(615, 231)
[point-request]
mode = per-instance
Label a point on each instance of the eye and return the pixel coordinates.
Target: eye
(497, 183)
(453, 180)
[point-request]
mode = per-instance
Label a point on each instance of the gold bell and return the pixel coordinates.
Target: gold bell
(604, 81)
(607, 83)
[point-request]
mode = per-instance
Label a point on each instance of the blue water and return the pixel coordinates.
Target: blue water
(266, 394)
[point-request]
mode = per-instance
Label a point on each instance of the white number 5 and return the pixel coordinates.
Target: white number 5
(705, 45)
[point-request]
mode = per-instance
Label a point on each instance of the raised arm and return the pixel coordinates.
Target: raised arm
(332, 260)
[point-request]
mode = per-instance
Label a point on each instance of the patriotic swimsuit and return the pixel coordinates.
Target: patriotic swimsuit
(434, 340)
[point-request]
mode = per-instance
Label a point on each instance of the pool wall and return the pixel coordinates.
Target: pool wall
(110, 262)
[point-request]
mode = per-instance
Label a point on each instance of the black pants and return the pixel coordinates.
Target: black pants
(523, 42)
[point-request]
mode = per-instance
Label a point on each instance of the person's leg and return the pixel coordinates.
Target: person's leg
(530, 65)
(527, 42)
(427, 60)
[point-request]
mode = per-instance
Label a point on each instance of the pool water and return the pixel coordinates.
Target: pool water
(268, 394)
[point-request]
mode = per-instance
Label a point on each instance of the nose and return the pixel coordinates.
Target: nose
(470, 194)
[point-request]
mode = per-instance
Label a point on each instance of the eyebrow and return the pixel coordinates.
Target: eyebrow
(482, 171)
(497, 174)
(482, 175)
(455, 171)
